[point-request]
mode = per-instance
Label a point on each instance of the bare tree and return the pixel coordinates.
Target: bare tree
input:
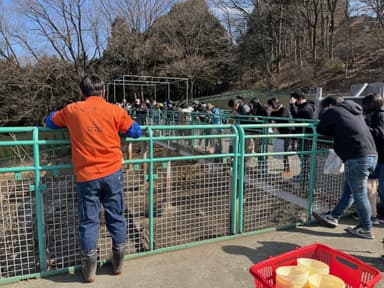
(311, 14)
(377, 6)
(193, 43)
(29, 92)
(234, 15)
(7, 39)
(66, 25)
(351, 59)
(129, 44)
(138, 14)
(332, 5)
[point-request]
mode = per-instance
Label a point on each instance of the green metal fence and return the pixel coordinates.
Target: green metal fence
(184, 185)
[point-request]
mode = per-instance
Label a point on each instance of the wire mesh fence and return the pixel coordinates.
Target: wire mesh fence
(18, 236)
(60, 221)
(327, 188)
(183, 185)
(194, 203)
(275, 185)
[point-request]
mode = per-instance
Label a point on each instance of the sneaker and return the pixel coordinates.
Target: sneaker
(355, 216)
(326, 219)
(360, 232)
(374, 220)
(380, 218)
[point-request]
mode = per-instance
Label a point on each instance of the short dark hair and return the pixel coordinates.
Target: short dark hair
(255, 103)
(297, 95)
(330, 100)
(372, 102)
(274, 102)
(233, 102)
(92, 85)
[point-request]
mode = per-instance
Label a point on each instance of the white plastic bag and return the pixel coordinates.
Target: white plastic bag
(333, 164)
(277, 147)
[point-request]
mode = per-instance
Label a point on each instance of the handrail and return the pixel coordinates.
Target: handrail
(230, 160)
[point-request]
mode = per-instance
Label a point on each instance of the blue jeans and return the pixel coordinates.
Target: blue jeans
(107, 191)
(356, 172)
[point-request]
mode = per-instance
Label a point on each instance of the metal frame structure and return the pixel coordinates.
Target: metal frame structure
(145, 81)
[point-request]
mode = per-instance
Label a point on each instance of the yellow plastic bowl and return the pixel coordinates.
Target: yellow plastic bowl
(291, 277)
(325, 281)
(313, 266)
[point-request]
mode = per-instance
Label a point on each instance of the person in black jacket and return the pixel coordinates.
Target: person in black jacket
(257, 108)
(242, 114)
(258, 111)
(301, 108)
(373, 106)
(280, 111)
(354, 144)
(241, 110)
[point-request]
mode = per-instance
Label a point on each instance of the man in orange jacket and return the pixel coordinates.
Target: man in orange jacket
(94, 127)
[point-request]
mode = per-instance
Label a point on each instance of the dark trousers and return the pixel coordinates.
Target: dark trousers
(106, 191)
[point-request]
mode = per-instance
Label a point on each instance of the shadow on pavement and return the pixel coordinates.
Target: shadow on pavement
(268, 248)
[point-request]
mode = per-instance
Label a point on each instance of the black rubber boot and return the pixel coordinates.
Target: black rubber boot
(89, 265)
(117, 259)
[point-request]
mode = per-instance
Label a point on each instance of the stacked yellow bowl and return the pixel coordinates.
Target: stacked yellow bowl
(325, 281)
(308, 273)
(291, 277)
(313, 266)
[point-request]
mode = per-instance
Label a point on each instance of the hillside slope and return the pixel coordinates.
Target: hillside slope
(357, 61)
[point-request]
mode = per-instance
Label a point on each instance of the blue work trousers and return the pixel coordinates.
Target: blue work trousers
(356, 172)
(106, 191)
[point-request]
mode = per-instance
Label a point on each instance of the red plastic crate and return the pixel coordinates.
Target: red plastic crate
(354, 272)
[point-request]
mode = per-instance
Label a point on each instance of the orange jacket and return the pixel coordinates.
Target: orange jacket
(94, 127)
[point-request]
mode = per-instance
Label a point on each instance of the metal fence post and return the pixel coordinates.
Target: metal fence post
(240, 180)
(150, 190)
(39, 206)
(312, 171)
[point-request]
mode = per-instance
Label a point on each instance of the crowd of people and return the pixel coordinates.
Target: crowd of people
(358, 139)
(357, 132)
(170, 112)
(299, 108)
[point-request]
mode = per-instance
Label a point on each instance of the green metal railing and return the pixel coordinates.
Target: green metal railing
(185, 185)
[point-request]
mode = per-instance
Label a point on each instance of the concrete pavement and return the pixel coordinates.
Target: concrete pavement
(223, 264)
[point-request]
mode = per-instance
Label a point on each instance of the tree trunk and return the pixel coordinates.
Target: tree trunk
(331, 37)
(279, 41)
